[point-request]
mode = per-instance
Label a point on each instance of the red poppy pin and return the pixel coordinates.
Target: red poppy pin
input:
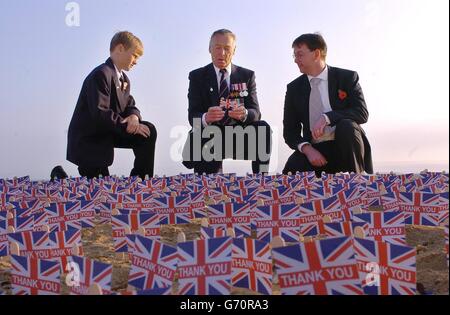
(342, 95)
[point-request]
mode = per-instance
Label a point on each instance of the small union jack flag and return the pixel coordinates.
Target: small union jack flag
(336, 229)
(326, 267)
(62, 244)
(29, 243)
(231, 215)
(195, 188)
(386, 269)
(132, 223)
(16, 182)
(277, 220)
(243, 194)
(174, 210)
(280, 195)
(137, 202)
(218, 193)
(92, 194)
(89, 272)
(153, 264)
(207, 232)
(373, 192)
(113, 198)
(314, 211)
(309, 195)
(420, 208)
(205, 267)
(30, 276)
(351, 200)
(251, 265)
(61, 216)
(20, 224)
(389, 202)
(26, 209)
(248, 183)
(388, 227)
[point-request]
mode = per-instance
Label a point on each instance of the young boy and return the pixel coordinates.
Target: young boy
(106, 117)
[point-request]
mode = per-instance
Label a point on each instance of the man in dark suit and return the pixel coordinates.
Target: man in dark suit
(224, 113)
(323, 113)
(106, 116)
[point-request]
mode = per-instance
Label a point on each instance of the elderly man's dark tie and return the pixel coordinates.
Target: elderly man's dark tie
(224, 93)
(224, 90)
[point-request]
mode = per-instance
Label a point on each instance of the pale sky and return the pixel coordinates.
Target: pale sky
(400, 48)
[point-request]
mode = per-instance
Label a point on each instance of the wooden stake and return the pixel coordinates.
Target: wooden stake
(14, 248)
(277, 241)
(204, 222)
(358, 210)
(231, 233)
(141, 231)
(359, 232)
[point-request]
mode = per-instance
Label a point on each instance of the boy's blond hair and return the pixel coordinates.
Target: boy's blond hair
(128, 40)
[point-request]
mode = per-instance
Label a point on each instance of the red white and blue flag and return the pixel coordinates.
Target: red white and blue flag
(280, 195)
(326, 267)
(243, 194)
(20, 224)
(30, 276)
(153, 264)
(30, 244)
(123, 224)
(309, 195)
(231, 215)
(386, 269)
(61, 216)
(315, 211)
(388, 227)
(251, 265)
(420, 208)
(205, 267)
(63, 244)
(351, 200)
(174, 210)
(89, 272)
(277, 220)
(137, 202)
(334, 229)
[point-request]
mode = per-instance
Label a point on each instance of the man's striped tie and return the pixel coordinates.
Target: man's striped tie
(224, 90)
(224, 93)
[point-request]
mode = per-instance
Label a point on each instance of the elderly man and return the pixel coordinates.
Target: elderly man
(323, 111)
(223, 107)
